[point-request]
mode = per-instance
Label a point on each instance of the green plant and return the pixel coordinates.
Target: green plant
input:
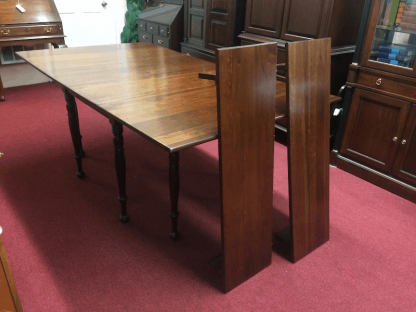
(129, 33)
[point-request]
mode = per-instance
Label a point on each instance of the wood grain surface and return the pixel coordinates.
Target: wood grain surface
(308, 88)
(154, 91)
(9, 300)
(246, 111)
(37, 11)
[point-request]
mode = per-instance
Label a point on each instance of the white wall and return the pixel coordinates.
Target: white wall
(23, 74)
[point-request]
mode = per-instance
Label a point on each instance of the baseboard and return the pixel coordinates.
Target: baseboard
(377, 178)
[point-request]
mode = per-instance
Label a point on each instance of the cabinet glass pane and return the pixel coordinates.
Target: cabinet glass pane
(395, 38)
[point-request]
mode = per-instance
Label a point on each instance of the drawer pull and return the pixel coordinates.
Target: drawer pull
(394, 139)
(5, 31)
(160, 41)
(144, 37)
(141, 25)
(404, 142)
(151, 27)
(378, 82)
(48, 29)
(162, 31)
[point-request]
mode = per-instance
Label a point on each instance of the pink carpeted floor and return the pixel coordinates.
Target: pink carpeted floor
(68, 251)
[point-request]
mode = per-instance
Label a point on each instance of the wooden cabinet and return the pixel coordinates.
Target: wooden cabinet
(374, 129)
(212, 24)
(264, 17)
(405, 162)
(378, 141)
(161, 23)
(294, 20)
(305, 19)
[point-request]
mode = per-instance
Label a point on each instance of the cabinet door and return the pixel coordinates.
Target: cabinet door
(374, 127)
(305, 19)
(264, 17)
(220, 26)
(405, 163)
(389, 43)
(196, 22)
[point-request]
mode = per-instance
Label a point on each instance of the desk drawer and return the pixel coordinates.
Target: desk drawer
(145, 37)
(152, 28)
(30, 30)
(383, 83)
(164, 30)
(141, 26)
(161, 41)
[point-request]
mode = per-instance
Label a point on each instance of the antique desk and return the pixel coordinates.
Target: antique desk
(156, 93)
(40, 24)
(161, 23)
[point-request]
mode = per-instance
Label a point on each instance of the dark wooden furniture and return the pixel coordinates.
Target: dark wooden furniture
(211, 24)
(246, 145)
(305, 111)
(40, 24)
(161, 23)
(180, 111)
(295, 20)
(9, 300)
(378, 141)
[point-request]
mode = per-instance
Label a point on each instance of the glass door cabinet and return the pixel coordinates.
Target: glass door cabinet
(390, 43)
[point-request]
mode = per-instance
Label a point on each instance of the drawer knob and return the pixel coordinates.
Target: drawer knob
(378, 82)
(404, 142)
(151, 27)
(162, 31)
(141, 25)
(144, 37)
(160, 41)
(48, 29)
(5, 31)
(394, 139)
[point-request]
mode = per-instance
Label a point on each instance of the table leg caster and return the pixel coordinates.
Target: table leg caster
(124, 218)
(175, 235)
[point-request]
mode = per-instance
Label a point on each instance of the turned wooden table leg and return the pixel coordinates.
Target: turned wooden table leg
(174, 192)
(1, 90)
(120, 162)
(71, 106)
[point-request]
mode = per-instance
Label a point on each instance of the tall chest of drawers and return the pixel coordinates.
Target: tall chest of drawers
(161, 23)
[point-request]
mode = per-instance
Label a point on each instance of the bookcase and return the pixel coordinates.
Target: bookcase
(377, 137)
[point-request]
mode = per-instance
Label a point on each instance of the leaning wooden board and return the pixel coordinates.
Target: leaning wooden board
(9, 300)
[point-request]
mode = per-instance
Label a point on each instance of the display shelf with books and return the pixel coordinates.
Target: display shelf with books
(395, 38)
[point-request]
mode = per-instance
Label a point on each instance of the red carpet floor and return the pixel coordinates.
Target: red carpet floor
(68, 251)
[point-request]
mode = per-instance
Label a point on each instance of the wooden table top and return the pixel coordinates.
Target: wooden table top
(154, 91)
